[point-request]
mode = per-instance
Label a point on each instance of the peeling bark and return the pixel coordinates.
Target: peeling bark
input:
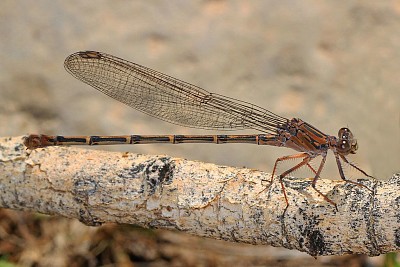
(233, 204)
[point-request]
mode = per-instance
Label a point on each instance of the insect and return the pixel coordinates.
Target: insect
(179, 102)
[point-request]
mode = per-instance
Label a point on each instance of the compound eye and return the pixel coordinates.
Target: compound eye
(345, 133)
(344, 145)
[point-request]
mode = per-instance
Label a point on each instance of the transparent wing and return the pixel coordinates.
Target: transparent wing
(167, 98)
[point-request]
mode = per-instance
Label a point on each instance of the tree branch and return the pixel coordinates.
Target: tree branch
(200, 198)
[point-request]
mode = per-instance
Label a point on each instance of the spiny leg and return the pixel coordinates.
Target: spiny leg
(339, 164)
(305, 161)
(296, 156)
(311, 168)
(314, 182)
(354, 166)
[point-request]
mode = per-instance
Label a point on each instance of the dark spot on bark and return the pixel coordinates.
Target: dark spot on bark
(316, 243)
(87, 218)
(83, 188)
(205, 199)
(301, 242)
(397, 237)
(136, 169)
(166, 171)
(258, 216)
(397, 200)
(158, 174)
(19, 147)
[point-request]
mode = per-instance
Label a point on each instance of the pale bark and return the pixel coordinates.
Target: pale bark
(200, 198)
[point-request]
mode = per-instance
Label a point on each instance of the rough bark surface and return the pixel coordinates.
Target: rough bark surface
(238, 205)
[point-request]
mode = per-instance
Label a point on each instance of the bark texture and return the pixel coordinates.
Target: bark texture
(239, 205)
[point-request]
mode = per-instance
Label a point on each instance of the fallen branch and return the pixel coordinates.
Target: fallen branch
(203, 199)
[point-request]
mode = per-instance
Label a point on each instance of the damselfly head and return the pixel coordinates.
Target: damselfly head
(347, 144)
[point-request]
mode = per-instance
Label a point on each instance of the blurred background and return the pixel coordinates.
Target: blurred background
(332, 63)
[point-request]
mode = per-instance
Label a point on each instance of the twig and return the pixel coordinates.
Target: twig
(203, 199)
